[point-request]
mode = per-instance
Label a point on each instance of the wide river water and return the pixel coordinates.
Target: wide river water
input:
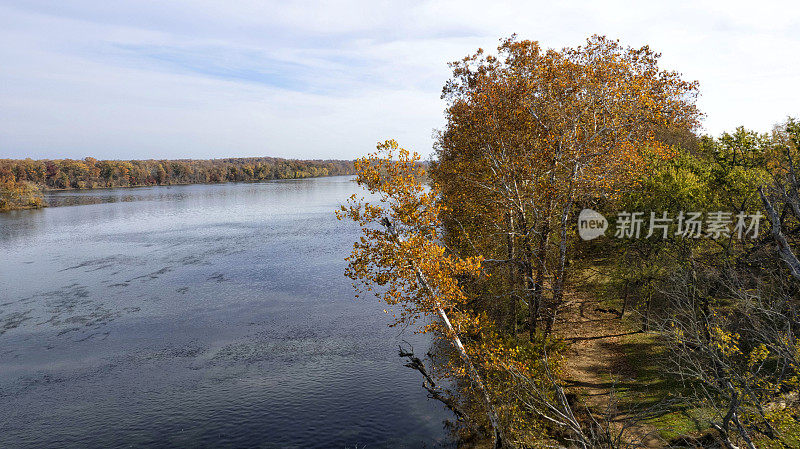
(199, 316)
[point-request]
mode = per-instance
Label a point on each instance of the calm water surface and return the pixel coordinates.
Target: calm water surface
(205, 315)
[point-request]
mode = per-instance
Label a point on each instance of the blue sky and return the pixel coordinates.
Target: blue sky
(175, 79)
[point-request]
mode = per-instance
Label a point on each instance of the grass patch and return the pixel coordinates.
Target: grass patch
(653, 391)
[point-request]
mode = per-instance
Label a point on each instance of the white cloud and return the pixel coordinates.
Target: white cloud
(142, 79)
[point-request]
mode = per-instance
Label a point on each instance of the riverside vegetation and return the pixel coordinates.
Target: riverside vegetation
(22, 181)
(659, 341)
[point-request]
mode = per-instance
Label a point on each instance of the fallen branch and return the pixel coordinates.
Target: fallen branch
(434, 392)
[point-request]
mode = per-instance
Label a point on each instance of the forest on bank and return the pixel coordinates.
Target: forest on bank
(22, 181)
(693, 281)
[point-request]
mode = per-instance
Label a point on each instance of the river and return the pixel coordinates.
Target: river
(199, 316)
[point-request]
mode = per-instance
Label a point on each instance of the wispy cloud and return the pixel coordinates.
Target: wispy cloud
(200, 78)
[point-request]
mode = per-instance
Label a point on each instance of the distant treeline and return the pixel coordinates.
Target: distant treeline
(30, 175)
(91, 173)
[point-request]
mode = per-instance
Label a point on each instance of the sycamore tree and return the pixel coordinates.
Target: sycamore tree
(400, 257)
(532, 133)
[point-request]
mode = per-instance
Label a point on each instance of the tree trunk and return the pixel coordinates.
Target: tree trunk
(646, 324)
(538, 285)
(494, 420)
(499, 440)
(784, 250)
(624, 299)
(558, 287)
(560, 282)
(512, 273)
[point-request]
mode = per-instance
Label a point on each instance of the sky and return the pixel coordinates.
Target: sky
(141, 79)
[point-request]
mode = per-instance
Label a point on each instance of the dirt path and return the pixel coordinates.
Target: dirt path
(595, 359)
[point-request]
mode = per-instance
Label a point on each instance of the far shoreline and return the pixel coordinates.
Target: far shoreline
(45, 190)
(24, 182)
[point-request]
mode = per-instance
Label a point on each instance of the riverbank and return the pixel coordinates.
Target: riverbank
(89, 173)
(31, 196)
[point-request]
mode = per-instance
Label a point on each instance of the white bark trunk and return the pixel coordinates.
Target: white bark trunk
(499, 440)
(784, 250)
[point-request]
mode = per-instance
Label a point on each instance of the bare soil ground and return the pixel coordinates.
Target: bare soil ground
(596, 363)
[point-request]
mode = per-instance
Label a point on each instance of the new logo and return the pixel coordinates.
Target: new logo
(591, 224)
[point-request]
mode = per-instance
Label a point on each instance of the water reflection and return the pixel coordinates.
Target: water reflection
(211, 315)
